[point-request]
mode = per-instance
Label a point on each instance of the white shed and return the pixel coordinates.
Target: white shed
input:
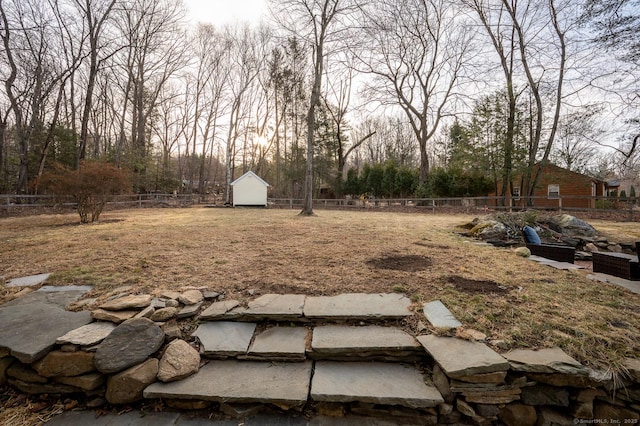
(249, 190)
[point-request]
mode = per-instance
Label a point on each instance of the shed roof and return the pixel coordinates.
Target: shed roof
(249, 173)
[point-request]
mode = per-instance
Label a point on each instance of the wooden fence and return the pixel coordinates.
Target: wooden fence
(623, 208)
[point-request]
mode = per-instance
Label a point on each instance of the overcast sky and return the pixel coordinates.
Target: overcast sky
(220, 12)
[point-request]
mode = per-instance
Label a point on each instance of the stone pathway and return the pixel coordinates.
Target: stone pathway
(271, 353)
(632, 286)
(563, 266)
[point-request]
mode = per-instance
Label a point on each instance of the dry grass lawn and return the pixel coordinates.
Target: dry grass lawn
(275, 251)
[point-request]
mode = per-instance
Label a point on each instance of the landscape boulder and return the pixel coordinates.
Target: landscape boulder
(191, 297)
(127, 386)
(571, 225)
(57, 363)
(164, 314)
(180, 360)
(489, 230)
(130, 343)
(522, 252)
(518, 414)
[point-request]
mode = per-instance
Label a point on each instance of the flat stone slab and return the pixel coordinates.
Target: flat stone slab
(224, 338)
(30, 330)
(87, 335)
(280, 343)
(372, 382)
(276, 306)
(218, 309)
(563, 266)
(132, 418)
(60, 296)
(459, 358)
(189, 311)
(29, 281)
(342, 339)
(242, 382)
(439, 316)
(633, 286)
(113, 316)
(134, 301)
(551, 360)
(357, 306)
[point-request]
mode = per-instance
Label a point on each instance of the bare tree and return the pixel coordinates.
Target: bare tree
(577, 139)
(416, 54)
(37, 72)
(95, 14)
(497, 24)
(288, 68)
(543, 67)
(317, 22)
(218, 63)
(156, 47)
(339, 88)
(169, 128)
(70, 40)
(617, 37)
(244, 71)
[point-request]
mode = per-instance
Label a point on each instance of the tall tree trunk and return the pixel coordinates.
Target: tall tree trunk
(94, 25)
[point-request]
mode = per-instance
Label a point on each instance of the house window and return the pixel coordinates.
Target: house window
(553, 191)
(516, 192)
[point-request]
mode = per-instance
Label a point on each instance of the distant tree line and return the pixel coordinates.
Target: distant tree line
(388, 98)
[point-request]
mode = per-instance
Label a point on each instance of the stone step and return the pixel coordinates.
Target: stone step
(223, 339)
(287, 384)
(229, 339)
(357, 343)
(372, 382)
(352, 307)
(461, 358)
(357, 307)
(231, 381)
(279, 344)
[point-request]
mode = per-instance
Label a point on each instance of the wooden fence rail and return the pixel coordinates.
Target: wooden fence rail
(626, 208)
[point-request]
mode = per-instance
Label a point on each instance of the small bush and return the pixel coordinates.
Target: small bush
(91, 186)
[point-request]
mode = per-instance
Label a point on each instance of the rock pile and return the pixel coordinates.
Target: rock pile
(504, 229)
(114, 356)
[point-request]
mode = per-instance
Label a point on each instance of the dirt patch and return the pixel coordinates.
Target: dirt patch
(467, 285)
(433, 246)
(406, 263)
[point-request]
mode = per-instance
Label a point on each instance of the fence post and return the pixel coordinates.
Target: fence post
(139, 201)
(560, 205)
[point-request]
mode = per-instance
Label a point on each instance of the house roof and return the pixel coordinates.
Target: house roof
(564, 170)
(249, 173)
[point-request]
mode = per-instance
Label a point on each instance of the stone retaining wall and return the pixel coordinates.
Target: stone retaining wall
(523, 394)
(109, 363)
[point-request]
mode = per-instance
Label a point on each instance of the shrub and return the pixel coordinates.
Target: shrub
(91, 186)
